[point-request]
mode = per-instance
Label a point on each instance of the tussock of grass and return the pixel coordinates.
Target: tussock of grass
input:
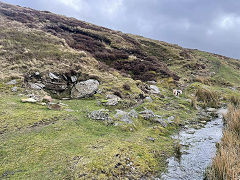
(235, 100)
(226, 164)
(208, 97)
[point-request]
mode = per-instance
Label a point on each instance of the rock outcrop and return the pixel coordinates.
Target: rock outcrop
(85, 89)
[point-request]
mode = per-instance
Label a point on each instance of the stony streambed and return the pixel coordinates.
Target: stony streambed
(198, 147)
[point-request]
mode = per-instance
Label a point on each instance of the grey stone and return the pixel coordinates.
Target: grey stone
(37, 86)
(112, 100)
(211, 109)
(151, 82)
(53, 76)
(190, 131)
(12, 82)
(160, 120)
(29, 100)
(154, 89)
(147, 114)
(150, 139)
(148, 99)
(123, 116)
(170, 119)
(85, 89)
(73, 78)
(102, 114)
(14, 89)
(47, 99)
(133, 114)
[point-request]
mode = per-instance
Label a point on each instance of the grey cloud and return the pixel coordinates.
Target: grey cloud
(210, 25)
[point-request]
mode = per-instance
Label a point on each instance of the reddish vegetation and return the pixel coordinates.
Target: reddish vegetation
(147, 69)
(70, 29)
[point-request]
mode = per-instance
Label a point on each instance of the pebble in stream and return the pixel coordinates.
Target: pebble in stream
(198, 148)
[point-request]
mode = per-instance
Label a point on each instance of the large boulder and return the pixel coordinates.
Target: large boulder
(85, 88)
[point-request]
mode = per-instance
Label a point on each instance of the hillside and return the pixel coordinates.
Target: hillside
(131, 82)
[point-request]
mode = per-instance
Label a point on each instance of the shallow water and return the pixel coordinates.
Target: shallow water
(198, 148)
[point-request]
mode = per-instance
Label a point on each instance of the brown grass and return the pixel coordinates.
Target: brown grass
(226, 164)
(203, 80)
(235, 100)
(208, 97)
(193, 102)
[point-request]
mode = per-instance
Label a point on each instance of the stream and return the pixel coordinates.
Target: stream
(198, 147)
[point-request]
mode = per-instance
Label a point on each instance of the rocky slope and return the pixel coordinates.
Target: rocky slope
(113, 109)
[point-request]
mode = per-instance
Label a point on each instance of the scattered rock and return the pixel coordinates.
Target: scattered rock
(191, 132)
(12, 82)
(160, 120)
(147, 114)
(62, 104)
(123, 116)
(85, 89)
(54, 106)
(47, 99)
(74, 79)
(133, 114)
(150, 139)
(154, 89)
(102, 114)
(211, 109)
(69, 110)
(112, 100)
(37, 86)
(170, 119)
(151, 82)
(53, 76)
(210, 138)
(29, 100)
(14, 89)
(148, 99)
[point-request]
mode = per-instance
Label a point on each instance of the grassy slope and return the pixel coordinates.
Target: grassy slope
(42, 144)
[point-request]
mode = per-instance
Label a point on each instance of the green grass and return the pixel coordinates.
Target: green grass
(69, 145)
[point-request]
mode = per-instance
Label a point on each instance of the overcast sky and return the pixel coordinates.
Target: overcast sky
(210, 25)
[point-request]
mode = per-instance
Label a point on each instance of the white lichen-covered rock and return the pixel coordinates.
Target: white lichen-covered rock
(148, 99)
(37, 86)
(53, 76)
(133, 113)
(154, 89)
(85, 88)
(147, 114)
(123, 116)
(102, 114)
(112, 100)
(12, 82)
(29, 100)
